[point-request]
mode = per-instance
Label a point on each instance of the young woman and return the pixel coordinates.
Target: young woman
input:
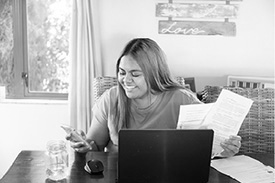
(146, 97)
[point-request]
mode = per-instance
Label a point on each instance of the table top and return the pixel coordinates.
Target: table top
(29, 166)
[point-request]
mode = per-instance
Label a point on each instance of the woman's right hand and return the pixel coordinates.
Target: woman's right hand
(79, 143)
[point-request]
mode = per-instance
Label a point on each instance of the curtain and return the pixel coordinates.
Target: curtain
(85, 62)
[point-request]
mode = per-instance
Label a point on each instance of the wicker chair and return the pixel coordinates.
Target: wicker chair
(257, 130)
(101, 84)
(105, 82)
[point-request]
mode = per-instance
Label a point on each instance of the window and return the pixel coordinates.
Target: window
(36, 59)
(6, 44)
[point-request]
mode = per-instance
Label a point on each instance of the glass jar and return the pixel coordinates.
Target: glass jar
(57, 160)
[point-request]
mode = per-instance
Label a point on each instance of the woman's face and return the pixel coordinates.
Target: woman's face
(131, 77)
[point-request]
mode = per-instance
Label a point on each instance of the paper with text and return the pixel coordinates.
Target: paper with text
(192, 116)
(245, 169)
(225, 116)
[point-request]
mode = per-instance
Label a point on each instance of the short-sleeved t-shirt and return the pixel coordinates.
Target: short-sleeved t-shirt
(161, 114)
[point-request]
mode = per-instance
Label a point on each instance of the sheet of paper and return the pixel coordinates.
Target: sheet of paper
(245, 169)
(226, 117)
(192, 116)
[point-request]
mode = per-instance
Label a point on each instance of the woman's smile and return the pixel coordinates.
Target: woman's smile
(131, 78)
(129, 88)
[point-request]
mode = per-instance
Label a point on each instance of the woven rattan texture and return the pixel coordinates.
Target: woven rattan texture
(257, 130)
(101, 84)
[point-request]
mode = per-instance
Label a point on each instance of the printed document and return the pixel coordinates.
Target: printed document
(225, 116)
(192, 116)
(245, 169)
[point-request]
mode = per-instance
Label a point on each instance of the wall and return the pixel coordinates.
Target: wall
(28, 125)
(207, 58)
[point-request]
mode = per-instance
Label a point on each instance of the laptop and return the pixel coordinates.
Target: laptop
(158, 156)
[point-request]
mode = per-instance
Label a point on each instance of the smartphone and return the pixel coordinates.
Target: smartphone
(75, 136)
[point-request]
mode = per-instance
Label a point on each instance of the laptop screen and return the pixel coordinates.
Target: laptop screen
(164, 155)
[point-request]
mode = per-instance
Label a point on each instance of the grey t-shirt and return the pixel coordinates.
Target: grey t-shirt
(162, 114)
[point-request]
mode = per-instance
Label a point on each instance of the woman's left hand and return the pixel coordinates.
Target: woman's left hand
(231, 146)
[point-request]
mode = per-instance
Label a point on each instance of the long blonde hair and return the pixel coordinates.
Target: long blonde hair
(152, 61)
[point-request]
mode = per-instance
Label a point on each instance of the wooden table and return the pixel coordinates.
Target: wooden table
(29, 166)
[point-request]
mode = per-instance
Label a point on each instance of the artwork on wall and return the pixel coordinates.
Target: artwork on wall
(197, 18)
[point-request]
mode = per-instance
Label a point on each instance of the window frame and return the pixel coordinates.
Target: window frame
(20, 52)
